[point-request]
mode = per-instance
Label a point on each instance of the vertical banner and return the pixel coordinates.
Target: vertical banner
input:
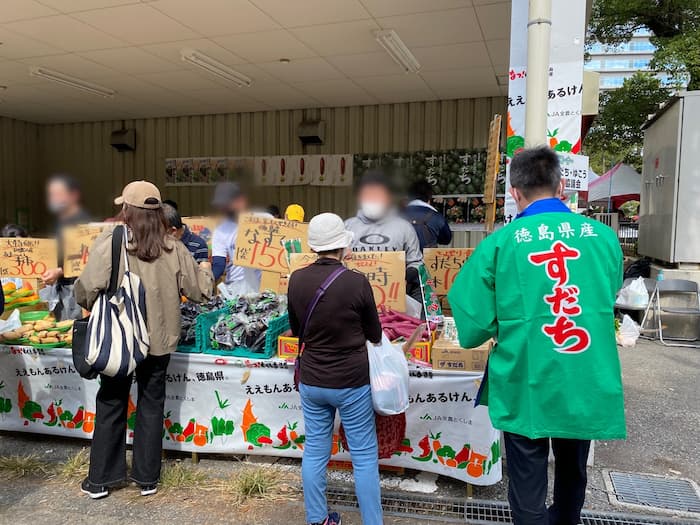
(343, 170)
(565, 82)
(264, 171)
(321, 171)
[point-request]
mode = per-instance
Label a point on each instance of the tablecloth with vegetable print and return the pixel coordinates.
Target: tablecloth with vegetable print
(225, 405)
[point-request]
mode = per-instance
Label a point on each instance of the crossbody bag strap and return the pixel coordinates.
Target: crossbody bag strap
(117, 242)
(312, 306)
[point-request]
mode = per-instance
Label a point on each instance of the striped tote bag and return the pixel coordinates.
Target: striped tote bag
(117, 334)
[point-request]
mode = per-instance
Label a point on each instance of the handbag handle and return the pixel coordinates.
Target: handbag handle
(118, 238)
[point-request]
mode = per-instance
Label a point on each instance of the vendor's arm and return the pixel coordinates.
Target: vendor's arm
(52, 275)
(95, 276)
(473, 297)
(219, 252)
(370, 319)
(196, 280)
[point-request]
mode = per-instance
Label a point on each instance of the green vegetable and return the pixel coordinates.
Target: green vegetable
(446, 452)
(256, 431)
(564, 146)
(514, 143)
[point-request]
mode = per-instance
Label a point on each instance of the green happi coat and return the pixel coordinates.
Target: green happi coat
(544, 287)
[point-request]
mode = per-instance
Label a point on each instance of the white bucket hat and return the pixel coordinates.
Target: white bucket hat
(327, 232)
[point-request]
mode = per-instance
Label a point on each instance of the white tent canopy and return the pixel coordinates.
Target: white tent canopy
(623, 179)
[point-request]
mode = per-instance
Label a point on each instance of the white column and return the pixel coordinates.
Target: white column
(538, 40)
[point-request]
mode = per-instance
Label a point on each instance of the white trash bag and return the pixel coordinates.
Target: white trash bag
(629, 332)
(388, 377)
(635, 294)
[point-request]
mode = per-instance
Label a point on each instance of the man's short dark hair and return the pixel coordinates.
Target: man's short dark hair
(172, 217)
(69, 181)
(375, 177)
(421, 190)
(13, 230)
(171, 202)
(535, 170)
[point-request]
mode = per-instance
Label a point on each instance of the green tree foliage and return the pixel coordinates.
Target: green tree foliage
(674, 24)
(616, 133)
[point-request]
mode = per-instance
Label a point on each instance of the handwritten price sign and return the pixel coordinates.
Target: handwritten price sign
(297, 261)
(274, 281)
(77, 241)
(202, 226)
(26, 258)
(443, 265)
(266, 244)
(386, 272)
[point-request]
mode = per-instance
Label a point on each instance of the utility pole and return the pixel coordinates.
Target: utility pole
(539, 28)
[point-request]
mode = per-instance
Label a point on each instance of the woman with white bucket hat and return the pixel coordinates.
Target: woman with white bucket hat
(332, 311)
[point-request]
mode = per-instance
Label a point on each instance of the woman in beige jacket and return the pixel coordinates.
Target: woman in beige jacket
(167, 270)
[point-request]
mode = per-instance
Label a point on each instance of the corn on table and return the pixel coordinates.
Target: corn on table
(240, 406)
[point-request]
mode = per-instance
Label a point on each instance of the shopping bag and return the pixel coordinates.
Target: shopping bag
(629, 332)
(388, 377)
(635, 294)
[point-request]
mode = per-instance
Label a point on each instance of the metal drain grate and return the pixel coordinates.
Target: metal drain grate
(655, 491)
(475, 512)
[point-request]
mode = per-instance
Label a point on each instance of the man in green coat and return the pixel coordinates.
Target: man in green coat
(544, 288)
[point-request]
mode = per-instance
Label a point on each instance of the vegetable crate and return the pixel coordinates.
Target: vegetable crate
(274, 330)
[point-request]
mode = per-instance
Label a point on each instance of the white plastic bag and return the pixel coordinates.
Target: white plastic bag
(11, 323)
(634, 294)
(388, 376)
(629, 332)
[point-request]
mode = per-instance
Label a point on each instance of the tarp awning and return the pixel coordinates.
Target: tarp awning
(622, 179)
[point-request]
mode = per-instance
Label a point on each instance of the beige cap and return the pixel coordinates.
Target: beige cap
(141, 194)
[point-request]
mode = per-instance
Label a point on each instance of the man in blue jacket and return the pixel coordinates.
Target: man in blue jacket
(431, 227)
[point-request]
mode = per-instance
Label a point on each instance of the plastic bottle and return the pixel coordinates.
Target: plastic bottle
(660, 275)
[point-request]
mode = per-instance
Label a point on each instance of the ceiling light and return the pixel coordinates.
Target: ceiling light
(60, 78)
(393, 45)
(215, 67)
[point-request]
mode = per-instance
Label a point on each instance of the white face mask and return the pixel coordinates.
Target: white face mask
(373, 210)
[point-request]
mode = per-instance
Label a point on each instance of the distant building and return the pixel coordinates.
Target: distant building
(616, 63)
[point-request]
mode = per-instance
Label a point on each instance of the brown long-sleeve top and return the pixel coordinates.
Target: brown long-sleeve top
(335, 353)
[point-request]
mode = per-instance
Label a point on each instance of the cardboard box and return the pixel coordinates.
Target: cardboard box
(447, 355)
(287, 348)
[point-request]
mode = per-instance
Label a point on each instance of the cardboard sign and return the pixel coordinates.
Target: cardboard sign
(443, 265)
(297, 261)
(275, 282)
(27, 258)
(77, 241)
(386, 272)
(265, 244)
(202, 226)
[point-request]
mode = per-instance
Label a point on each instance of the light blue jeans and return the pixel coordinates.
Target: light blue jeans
(357, 415)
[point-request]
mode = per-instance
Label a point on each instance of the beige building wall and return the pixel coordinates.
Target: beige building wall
(83, 149)
(19, 167)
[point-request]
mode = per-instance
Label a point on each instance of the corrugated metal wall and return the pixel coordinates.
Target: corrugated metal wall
(21, 193)
(83, 149)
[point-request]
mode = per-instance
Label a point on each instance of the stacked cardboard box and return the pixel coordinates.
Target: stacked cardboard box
(448, 355)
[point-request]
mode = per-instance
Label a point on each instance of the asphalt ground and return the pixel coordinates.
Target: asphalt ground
(662, 395)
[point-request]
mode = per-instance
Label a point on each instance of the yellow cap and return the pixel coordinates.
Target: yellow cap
(294, 212)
